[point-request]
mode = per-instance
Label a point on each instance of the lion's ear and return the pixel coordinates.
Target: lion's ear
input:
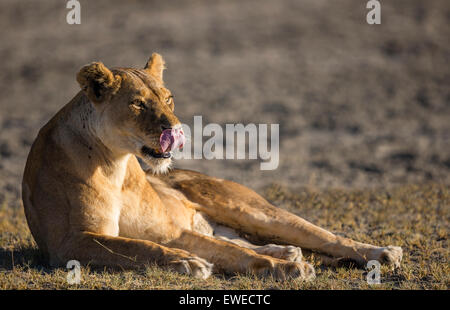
(98, 82)
(155, 66)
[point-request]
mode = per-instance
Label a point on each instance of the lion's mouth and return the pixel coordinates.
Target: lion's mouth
(154, 153)
(170, 139)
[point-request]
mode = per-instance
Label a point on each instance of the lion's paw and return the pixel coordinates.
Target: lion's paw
(390, 255)
(284, 270)
(289, 252)
(196, 266)
(294, 270)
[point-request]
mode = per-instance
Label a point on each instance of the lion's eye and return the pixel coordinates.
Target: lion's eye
(139, 104)
(169, 99)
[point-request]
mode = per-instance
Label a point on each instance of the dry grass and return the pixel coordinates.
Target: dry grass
(414, 217)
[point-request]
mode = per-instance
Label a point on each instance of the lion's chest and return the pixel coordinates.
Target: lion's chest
(153, 215)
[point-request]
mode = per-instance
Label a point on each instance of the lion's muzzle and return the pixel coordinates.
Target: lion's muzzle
(172, 139)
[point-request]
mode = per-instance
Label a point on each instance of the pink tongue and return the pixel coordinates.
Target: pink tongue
(171, 139)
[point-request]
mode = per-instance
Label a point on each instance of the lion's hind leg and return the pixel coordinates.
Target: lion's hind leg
(232, 257)
(286, 252)
(241, 208)
(205, 225)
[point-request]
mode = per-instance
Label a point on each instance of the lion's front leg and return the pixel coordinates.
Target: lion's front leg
(231, 258)
(109, 251)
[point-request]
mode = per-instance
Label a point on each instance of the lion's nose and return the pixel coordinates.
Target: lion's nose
(171, 139)
(165, 127)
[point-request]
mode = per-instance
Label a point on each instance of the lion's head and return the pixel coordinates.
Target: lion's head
(135, 110)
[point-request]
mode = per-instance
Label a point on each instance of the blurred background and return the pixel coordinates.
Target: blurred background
(358, 105)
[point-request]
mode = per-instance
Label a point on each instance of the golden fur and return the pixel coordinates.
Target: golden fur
(87, 198)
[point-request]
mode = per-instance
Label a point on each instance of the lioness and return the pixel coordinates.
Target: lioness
(87, 198)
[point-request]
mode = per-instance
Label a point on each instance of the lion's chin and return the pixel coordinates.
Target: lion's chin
(157, 162)
(157, 166)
